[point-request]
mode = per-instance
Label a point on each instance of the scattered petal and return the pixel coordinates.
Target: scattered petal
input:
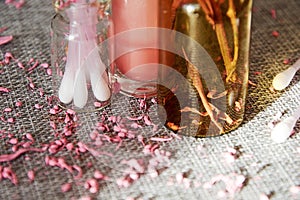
(66, 187)
(5, 39)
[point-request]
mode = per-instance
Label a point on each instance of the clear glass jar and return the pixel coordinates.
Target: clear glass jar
(204, 93)
(79, 69)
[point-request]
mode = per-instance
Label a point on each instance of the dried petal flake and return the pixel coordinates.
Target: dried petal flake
(5, 39)
(31, 175)
(66, 187)
(3, 89)
(273, 13)
(275, 33)
(9, 157)
(9, 174)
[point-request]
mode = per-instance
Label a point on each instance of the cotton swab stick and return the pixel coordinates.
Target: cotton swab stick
(80, 88)
(98, 76)
(80, 96)
(66, 89)
(284, 129)
(65, 92)
(283, 79)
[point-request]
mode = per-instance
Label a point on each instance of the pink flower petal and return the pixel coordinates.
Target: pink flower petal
(5, 39)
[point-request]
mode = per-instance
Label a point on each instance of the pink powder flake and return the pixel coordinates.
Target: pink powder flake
(7, 173)
(71, 112)
(11, 120)
(53, 111)
(257, 73)
(79, 170)
(100, 176)
(31, 175)
(20, 65)
(89, 164)
(135, 118)
(10, 157)
(19, 103)
(41, 91)
(275, 33)
(52, 162)
(14, 148)
(53, 125)
(19, 4)
(7, 57)
(124, 182)
(273, 13)
(44, 65)
(68, 133)
(49, 71)
(92, 185)
(69, 146)
(31, 84)
(53, 149)
(33, 66)
(62, 164)
(66, 187)
(13, 141)
(27, 158)
(29, 137)
(141, 139)
(97, 104)
(38, 106)
(47, 160)
(3, 89)
(5, 39)
(251, 83)
(147, 120)
(7, 110)
(286, 61)
(134, 175)
(26, 144)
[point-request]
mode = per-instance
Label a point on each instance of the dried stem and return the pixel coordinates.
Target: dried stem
(213, 13)
(196, 81)
(231, 13)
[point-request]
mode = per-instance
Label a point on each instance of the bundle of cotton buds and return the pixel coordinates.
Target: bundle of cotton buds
(83, 63)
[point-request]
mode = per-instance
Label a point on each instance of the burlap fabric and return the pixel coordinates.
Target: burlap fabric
(269, 169)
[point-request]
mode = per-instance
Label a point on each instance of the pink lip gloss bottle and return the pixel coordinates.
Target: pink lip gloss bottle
(136, 49)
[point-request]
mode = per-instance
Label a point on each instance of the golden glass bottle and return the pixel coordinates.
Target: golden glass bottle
(205, 92)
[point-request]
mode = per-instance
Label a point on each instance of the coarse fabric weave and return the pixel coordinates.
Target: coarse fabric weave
(269, 169)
